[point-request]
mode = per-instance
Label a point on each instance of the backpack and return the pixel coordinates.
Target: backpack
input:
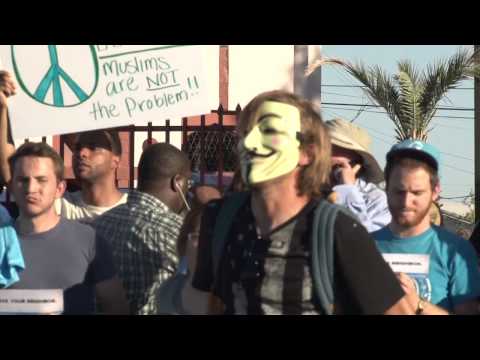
(322, 243)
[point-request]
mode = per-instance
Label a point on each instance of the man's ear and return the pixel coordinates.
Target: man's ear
(61, 187)
(115, 161)
(175, 182)
(436, 192)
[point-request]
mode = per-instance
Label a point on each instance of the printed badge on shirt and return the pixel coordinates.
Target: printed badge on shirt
(417, 267)
(31, 302)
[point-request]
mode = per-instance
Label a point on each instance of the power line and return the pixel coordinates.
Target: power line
(363, 86)
(378, 106)
(338, 94)
(384, 112)
(456, 197)
(455, 168)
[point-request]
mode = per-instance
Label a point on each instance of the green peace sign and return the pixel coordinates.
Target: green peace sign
(52, 80)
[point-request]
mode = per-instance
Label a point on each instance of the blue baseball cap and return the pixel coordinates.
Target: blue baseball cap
(418, 150)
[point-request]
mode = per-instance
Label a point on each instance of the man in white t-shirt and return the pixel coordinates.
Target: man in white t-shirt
(96, 157)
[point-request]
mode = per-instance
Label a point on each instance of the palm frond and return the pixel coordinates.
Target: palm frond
(319, 62)
(411, 98)
(380, 89)
(443, 76)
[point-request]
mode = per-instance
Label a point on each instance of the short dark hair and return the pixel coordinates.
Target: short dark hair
(161, 161)
(410, 161)
(116, 142)
(38, 149)
(112, 136)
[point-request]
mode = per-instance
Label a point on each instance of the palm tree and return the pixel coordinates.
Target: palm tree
(410, 97)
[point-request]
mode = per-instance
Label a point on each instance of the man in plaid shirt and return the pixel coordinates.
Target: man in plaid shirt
(143, 232)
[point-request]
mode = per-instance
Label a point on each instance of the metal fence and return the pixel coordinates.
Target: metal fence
(211, 148)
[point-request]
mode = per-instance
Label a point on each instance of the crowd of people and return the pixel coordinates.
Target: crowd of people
(306, 227)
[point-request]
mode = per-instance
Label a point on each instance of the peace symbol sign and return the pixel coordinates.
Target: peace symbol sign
(65, 91)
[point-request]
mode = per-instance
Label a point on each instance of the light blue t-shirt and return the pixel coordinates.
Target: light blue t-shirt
(453, 275)
(11, 258)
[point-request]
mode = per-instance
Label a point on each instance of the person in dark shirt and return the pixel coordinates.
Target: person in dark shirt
(265, 268)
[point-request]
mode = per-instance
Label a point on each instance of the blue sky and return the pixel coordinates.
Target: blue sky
(452, 135)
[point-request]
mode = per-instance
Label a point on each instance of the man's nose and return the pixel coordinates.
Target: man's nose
(407, 199)
(31, 186)
(83, 152)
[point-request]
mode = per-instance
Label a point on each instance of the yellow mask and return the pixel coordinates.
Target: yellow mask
(271, 149)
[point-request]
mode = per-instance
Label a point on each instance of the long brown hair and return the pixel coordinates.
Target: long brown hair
(314, 178)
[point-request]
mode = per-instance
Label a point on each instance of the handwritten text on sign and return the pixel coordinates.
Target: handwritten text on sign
(70, 88)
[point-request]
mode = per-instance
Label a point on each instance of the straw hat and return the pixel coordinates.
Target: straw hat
(349, 136)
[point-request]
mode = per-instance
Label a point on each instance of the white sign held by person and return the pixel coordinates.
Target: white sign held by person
(31, 302)
(71, 88)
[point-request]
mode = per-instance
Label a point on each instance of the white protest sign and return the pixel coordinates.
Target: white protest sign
(70, 88)
(31, 302)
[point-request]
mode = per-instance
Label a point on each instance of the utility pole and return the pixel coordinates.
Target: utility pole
(223, 76)
(477, 139)
(300, 63)
(313, 83)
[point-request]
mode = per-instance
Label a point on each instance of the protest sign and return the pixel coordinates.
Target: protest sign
(70, 88)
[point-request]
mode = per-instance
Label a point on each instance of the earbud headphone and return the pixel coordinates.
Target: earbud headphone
(179, 189)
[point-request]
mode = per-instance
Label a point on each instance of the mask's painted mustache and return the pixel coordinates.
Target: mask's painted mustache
(252, 154)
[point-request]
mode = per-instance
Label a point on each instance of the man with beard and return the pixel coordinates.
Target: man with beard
(96, 157)
(443, 276)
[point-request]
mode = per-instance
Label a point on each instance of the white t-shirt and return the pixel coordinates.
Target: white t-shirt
(71, 206)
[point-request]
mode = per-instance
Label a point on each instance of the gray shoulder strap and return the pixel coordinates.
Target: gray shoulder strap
(323, 253)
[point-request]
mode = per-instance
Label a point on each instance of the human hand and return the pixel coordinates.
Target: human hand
(344, 173)
(7, 87)
(409, 287)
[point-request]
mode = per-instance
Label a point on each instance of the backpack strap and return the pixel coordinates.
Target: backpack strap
(230, 207)
(323, 237)
(323, 253)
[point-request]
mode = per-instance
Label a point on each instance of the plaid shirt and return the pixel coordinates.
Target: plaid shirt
(143, 234)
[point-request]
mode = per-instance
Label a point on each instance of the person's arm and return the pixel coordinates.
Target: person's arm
(421, 307)
(111, 297)
(7, 88)
(465, 280)
(371, 209)
(401, 307)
